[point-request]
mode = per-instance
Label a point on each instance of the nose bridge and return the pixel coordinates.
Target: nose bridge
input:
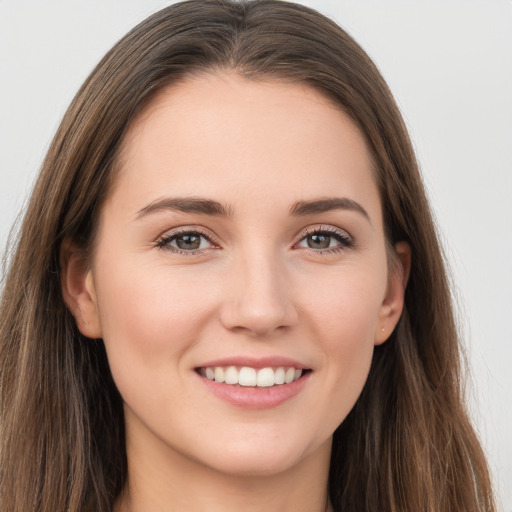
(259, 298)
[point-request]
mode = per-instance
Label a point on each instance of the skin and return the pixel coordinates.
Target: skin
(257, 289)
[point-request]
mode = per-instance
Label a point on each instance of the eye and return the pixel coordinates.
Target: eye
(186, 241)
(326, 240)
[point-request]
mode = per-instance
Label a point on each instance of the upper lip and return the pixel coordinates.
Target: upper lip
(256, 362)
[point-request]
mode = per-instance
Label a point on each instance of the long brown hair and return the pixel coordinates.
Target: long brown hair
(407, 445)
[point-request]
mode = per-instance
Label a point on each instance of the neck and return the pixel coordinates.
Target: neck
(163, 481)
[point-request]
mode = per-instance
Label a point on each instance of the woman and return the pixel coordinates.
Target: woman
(228, 290)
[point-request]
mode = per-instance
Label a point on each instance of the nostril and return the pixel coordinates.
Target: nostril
(258, 321)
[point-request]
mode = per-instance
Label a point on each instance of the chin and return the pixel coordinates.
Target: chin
(261, 460)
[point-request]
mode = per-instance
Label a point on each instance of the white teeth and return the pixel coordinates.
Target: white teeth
(250, 377)
(218, 373)
(279, 376)
(247, 376)
(231, 375)
(266, 378)
(289, 375)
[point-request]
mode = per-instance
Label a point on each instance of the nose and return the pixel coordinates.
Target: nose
(258, 297)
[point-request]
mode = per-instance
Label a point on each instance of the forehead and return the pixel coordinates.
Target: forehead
(215, 133)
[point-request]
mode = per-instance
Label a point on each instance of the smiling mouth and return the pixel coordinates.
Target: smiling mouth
(252, 377)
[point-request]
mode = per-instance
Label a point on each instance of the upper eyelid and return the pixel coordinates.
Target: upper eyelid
(322, 228)
(175, 232)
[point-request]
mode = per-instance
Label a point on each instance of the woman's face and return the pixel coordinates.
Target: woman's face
(242, 241)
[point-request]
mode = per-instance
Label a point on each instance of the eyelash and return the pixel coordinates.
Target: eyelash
(165, 241)
(344, 239)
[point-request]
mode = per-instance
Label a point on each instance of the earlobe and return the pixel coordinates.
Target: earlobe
(393, 303)
(79, 291)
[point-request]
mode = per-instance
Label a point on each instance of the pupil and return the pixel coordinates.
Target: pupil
(188, 242)
(318, 241)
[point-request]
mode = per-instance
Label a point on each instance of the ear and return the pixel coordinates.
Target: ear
(79, 291)
(393, 303)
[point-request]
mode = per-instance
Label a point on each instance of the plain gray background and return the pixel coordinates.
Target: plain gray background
(449, 64)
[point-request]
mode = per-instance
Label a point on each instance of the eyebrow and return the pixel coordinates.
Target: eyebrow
(324, 205)
(186, 205)
(205, 206)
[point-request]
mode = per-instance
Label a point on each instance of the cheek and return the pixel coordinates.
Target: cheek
(150, 299)
(346, 308)
(148, 321)
(345, 318)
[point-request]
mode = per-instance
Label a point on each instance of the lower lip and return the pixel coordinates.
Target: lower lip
(253, 397)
